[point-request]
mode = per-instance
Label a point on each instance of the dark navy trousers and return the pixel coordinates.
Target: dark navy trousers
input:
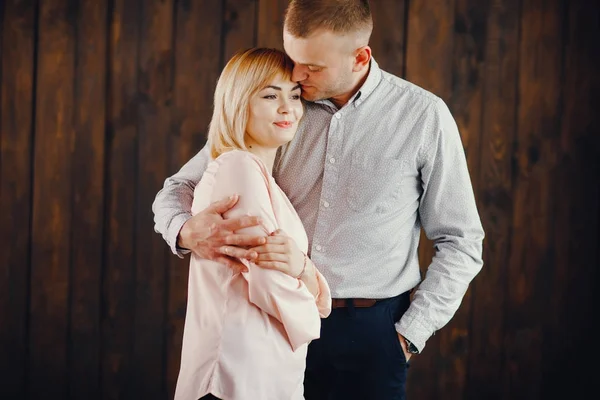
(359, 355)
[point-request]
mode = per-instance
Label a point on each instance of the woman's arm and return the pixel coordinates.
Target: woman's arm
(283, 297)
(282, 254)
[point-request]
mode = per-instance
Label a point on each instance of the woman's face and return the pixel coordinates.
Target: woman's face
(274, 114)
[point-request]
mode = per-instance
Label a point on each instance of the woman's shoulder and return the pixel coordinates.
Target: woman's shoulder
(241, 161)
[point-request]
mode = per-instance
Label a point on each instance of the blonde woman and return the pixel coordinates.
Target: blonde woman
(247, 329)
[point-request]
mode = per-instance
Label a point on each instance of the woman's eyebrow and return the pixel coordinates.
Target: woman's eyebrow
(278, 88)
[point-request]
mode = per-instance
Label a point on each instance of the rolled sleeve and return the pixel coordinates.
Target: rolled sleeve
(173, 203)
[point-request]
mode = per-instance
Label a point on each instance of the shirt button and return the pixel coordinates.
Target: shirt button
(319, 248)
(332, 160)
(338, 116)
(325, 204)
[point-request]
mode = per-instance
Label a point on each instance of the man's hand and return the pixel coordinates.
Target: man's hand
(210, 236)
(407, 355)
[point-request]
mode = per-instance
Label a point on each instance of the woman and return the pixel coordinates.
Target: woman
(246, 333)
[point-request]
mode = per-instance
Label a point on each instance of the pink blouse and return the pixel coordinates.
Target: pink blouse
(246, 334)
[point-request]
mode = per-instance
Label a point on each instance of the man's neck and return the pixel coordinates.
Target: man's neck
(341, 100)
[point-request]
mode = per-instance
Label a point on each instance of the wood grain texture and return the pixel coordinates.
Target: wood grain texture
(466, 105)
(239, 26)
(574, 282)
(494, 180)
(87, 224)
(154, 84)
(52, 202)
(198, 40)
(270, 23)
(531, 258)
(429, 61)
(17, 77)
(103, 100)
(388, 38)
(118, 280)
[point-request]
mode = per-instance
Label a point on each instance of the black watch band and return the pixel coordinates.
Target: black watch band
(412, 349)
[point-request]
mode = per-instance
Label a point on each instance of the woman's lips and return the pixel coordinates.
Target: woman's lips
(284, 124)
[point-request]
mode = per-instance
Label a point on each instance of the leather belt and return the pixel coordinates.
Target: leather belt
(359, 303)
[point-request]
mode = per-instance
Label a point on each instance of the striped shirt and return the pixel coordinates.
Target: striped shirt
(364, 179)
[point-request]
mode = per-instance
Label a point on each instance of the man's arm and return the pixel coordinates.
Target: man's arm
(173, 203)
(450, 219)
(206, 233)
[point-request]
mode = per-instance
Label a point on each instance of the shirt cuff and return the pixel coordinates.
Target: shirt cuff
(415, 328)
(174, 228)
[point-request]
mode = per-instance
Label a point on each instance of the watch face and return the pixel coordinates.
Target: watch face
(412, 349)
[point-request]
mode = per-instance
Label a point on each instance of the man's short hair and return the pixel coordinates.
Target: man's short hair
(304, 17)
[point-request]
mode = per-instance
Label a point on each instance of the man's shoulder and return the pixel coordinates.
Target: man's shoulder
(404, 87)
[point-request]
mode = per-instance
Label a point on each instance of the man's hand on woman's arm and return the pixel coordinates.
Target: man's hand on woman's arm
(211, 237)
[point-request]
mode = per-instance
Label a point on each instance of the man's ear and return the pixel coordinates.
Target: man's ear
(362, 58)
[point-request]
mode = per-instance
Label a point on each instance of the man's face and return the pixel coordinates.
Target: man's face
(323, 64)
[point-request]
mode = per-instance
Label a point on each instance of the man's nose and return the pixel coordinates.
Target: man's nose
(299, 73)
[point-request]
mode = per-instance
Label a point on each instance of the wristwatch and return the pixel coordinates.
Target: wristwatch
(412, 349)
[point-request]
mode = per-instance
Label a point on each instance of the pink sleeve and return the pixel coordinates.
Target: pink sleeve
(324, 296)
(283, 297)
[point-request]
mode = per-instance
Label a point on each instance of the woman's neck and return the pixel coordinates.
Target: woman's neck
(267, 155)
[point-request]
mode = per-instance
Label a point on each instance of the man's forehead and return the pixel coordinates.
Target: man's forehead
(307, 51)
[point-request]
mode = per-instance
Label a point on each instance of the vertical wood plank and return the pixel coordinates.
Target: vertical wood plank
(570, 327)
(239, 27)
(88, 200)
(121, 165)
(430, 44)
(388, 40)
(469, 36)
(429, 50)
(531, 262)
(52, 182)
(16, 123)
(495, 178)
(198, 42)
(270, 23)
(154, 87)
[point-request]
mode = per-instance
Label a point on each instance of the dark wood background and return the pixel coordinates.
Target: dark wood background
(103, 99)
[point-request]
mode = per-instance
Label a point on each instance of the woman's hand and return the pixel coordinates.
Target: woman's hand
(280, 253)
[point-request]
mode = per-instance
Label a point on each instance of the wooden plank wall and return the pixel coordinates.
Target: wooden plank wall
(101, 100)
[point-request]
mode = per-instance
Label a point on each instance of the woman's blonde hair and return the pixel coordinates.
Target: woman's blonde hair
(247, 72)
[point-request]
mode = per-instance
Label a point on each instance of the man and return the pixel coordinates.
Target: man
(375, 159)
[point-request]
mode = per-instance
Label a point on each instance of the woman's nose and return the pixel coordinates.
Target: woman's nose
(284, 108)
